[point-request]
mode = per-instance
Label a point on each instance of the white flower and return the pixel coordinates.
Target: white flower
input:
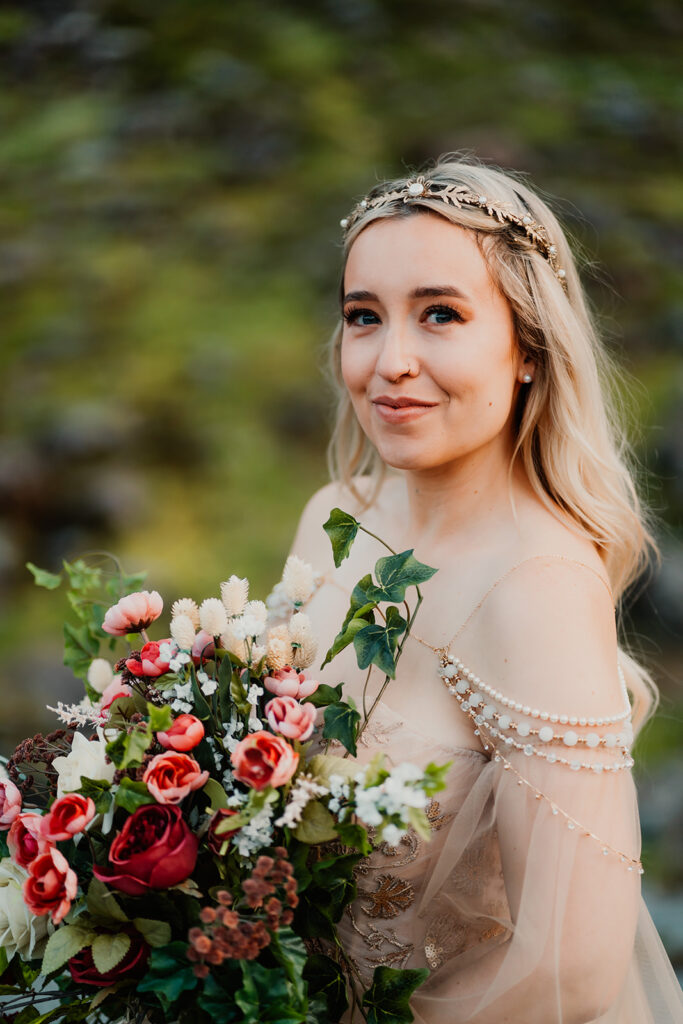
(166, 651)
(20, 931)
(233, 642)
(212, 616)
(183, 691)
(392, 835)
(100, 674)
(248, 626)
(181, 705)
(366, 806)
(183, 657)
(298, 580)
(209, 687)
(183, 631)
(304, 790)
(86, 758)
(174, 665)
(234, 593)
(83, 713)
(256, 834)
(186, 606)
(256, 611)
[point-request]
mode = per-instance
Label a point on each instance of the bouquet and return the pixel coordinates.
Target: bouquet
(167, 854)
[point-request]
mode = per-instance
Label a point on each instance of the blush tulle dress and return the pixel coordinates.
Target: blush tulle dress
(534, 930)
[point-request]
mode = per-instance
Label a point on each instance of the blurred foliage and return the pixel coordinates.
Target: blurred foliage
(171, 181)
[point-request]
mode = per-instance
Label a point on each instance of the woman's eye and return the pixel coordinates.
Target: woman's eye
(352, 316)
(448, 312)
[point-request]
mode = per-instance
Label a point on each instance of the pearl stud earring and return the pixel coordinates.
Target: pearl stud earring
(527, 378)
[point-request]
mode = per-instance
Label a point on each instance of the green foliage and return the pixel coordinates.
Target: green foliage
(65, 942)
(355, 836)
(218, 1002)
(395, 573)
(217, 796)
(316, 825)
(266, 995)
(102, 905)
(155, 933)
(326, 978)
(388, 999)
(341, 528)
(108, 949)
(43, 578)
(341, 722)
(132, 794)
(169, 974)
(99, 791)
(376, 644)
(328, 890)
(325, 695)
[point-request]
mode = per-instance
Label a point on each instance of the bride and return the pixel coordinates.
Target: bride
(474, 425)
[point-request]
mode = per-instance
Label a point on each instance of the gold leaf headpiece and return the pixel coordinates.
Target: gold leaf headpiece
(459, 195)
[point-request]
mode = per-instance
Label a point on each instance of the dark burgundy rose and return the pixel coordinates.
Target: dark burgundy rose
(84, 972)
(155, 849)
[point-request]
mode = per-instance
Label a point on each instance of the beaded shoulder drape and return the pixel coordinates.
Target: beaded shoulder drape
(526, 904)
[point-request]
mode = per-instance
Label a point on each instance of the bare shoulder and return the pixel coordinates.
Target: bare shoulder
(551, 636)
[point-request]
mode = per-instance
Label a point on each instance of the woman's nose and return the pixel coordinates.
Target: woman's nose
(397, 356)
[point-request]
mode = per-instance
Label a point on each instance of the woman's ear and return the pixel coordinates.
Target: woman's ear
(526, 370)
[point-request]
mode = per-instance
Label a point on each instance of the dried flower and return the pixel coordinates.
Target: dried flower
(233, 642)
(183, 631)
(186, 606)
(298, 580)
(304, 643)
(234, 594)
(212, 616)
(278, 648)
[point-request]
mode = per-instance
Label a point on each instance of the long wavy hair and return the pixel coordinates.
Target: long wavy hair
(570, 429)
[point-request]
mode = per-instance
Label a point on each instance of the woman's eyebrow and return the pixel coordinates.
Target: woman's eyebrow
(427, 291)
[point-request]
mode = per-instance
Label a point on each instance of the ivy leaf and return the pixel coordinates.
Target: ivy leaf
(355, 836)
(316, 825)
(435, 776)
(344, 638)
(387, 999)
(127, 749)
(99, 790)
(395, 573)
(132, 794)
(341, 528)
(43, 578)
(80, 647)
(265, 995)
(341, 723)
(290, 952)
(324, 695)
(108, 950)
(65, 942)
(218, 1003)
(326, 978)
(169, 974)
(160, 718)
(376, 643)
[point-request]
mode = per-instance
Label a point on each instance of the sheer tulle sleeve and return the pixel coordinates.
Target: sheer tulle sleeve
(549, 831)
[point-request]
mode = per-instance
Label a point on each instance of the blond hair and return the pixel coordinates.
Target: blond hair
(570, 437)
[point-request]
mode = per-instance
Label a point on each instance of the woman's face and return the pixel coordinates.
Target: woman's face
(406, 337)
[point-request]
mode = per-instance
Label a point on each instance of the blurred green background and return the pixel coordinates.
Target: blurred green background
(172, 177)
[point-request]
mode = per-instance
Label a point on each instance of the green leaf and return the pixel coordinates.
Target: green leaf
(101, 902)
(435, 776)
(108, 950)
(316, 825)
(341, 723)
(224, 683)
(80, 647)
(326, 978)
(355, 836)
(218, 1003)
(169, 974)
(82, 577)
(43, 578)
(324, 695)
(290, 952)
(375, 644)
(99, 791)
(65, 942)
(217, 796)
(155, 933)
(344, 638)
(395, 573)
(265, 995)
(160, 718)
(324, 765)
(104, 993)
(388, 998)
(132, 794)
(341, 528)
(238, 693)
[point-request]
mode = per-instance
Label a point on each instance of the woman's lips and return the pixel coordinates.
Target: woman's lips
(391, 414)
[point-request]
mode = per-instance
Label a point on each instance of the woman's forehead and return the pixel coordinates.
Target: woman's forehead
(401, 253)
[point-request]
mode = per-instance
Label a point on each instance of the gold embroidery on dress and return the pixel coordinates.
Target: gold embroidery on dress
(445, 938)
(376, 939)
(378, 733)
(436, 819)
(389, 899)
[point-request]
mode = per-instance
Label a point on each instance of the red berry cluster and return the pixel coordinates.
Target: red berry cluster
(227, 934)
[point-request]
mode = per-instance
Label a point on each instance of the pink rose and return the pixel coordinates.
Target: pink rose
(287, 682)
(115, 689)
(67, 816)
(185, 733)
(287, 716)
(262, 759)
(149, 662)
(203, 647)
(10, 803)
(133, 613)
(51, 885)
(25, 840)
(170, 777)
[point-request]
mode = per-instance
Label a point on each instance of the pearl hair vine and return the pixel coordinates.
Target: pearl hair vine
(421, 188)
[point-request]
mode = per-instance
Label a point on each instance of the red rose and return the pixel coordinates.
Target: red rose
(185, 733)
(214, 840)
(25, 839)
(149, 661)
(155, 849)
(51, 885)
(67, 816)
(262, 759)
(84, 972)
(170, 777)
